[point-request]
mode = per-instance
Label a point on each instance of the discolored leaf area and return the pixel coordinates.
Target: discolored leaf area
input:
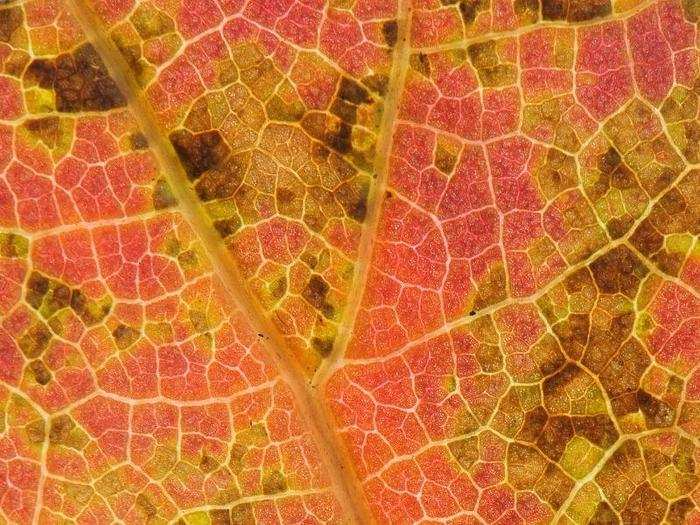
(392, 262)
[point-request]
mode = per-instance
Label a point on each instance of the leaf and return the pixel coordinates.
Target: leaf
(393, 262)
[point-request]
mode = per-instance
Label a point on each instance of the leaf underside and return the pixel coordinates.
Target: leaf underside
(349, 261)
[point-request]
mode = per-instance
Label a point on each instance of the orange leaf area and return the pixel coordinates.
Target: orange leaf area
(349, 261)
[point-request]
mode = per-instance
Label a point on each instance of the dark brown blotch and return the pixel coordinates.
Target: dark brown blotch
(598, 429)
(469, 9)
(79, 80)
(41, 373)
(618, 271)
(46, 129)
(138, 141)
(227, 227)
(390, 32)
(353, 92)
(11, 19)
(316, 292)
(37, 287)
(345, 111)
(125, 336)
(421, 63)
(584, 10)
(163, 195)
(222, 181)
(61, 427)
(555, 436)
(88, 310)
(339, 137)
(35, 340)
(199, 152)
(533, 425)
(657, 414)
(322, 345)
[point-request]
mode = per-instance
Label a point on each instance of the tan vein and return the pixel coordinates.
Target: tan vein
(332, 450)
(375, 197)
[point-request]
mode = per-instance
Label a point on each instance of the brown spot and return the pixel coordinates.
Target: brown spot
(79, 79)
(145, 505)
(61, 427)
(315, 293)
(45, 129)
(679, 510)
(125, 336)
(377, 83)
(575, 10)
(42, 375)
(339, 137)
(645, 506)
(353, 92)
(618, 271)
(604, 515)
(353, 199)
(534, 423)
(345, 111)
(657, 414)
(11, 19)
(324, 346)
(420, 62)
(162, 195)
(468, 9)
(390, 31)
(138, 141)
(273, 482)
(279, 288)
(35, 340)
(223, 181)
(598, 429)
(227, 227)
(242, 514)
(88, 310)
(444, 160)
(37, 287)
(555, 436)
(199, 152)
(572, 333)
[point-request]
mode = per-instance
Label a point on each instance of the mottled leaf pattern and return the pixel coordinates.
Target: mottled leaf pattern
(349, 261)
